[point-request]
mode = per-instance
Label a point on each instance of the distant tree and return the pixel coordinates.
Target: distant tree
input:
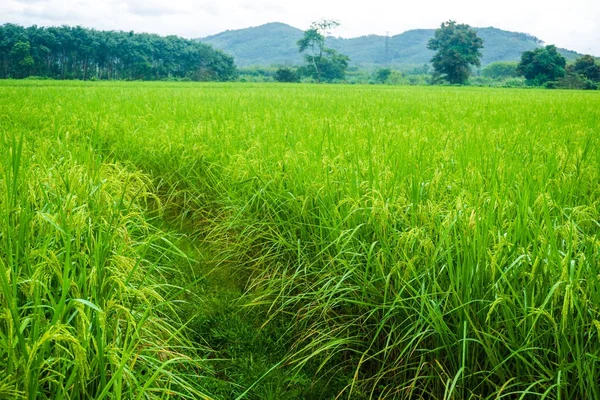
(323, 63)
(574, 81)
(21, 58)
(383, 74)
(457, 47)
(542, 65)
(331, 67)
(286, 75)
(501, 69)
(424, 69)
(586, 66)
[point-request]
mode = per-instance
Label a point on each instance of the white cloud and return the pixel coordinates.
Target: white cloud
(154, 8)
(574, 25)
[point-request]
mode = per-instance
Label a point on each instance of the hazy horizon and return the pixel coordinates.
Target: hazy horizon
(574, 27)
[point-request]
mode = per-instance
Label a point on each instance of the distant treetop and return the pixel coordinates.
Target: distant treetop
(457, 47)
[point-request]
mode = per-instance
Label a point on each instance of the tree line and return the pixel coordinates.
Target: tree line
(458, 46)
(79, 53)
(457, 49)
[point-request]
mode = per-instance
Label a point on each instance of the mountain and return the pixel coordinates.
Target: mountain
(275, 44)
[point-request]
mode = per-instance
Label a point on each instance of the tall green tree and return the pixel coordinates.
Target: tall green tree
(587, 66)
(542, 65)
(21, 58)
(457, 47)
(323, 63)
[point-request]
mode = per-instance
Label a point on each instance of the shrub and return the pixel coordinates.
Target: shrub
(286, 75)
(576, 81)
(500, 70)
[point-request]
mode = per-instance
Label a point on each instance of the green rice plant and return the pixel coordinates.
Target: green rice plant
(421, 242)
(86, 309)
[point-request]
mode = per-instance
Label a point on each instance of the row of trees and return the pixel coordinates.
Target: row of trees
(458, 49)
(80, 53)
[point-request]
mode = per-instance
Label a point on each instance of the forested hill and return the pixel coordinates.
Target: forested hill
(275, 43)
(80, 53)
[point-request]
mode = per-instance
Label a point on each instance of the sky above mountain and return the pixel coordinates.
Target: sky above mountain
(573, 24)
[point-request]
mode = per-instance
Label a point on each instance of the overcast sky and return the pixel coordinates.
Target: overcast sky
(573, 24)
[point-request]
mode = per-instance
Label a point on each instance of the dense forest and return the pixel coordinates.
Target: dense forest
(79, 53)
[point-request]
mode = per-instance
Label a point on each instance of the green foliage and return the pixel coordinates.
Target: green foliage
(391, 242)
(87, 299)
(257, 74)
(286, 75)
(275, 44)
(329, 67)
(249, 353)
(516, 82)
(575, 81)
(542, 65)
(501, 70)
(457, 49)
(22, 62)
(382, 75)
(587, 66)
(424, 69)
(79, 53)
(322, 63)
(421, 242)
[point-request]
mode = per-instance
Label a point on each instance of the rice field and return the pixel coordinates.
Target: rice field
(407, 242)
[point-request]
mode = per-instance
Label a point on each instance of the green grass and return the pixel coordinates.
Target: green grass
(87, 311)
(402, 242)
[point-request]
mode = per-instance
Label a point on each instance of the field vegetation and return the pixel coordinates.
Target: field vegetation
(162, 240)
